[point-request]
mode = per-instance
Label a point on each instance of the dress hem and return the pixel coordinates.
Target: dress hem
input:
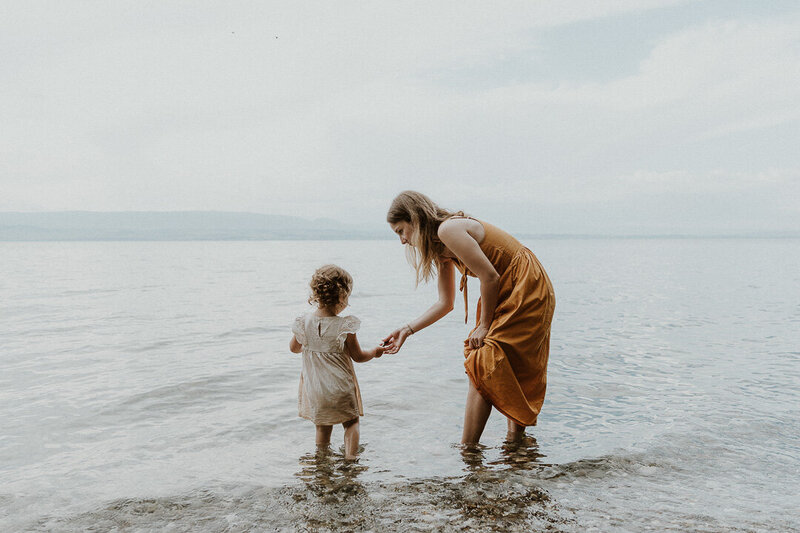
(488, 397)
(325, 423)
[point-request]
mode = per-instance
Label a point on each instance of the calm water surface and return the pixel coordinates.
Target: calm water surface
(148, 386)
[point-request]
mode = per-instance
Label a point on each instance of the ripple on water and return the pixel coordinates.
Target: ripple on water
(515, 492)
(196, 394)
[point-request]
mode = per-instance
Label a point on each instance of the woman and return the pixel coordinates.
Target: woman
(506, 353)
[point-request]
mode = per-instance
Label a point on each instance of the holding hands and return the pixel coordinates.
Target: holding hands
(394, 341)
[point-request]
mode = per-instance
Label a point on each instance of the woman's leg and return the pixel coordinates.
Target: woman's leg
(324, 436)
(351, 435)
(515, 431)
(475, 416)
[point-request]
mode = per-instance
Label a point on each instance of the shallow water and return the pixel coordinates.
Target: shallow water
(148, 386)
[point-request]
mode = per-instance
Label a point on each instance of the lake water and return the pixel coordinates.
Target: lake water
(149, 386)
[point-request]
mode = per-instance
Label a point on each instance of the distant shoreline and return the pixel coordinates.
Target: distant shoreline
(390, 239)
(189, 226)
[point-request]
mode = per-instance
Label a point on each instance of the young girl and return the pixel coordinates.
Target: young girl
(329, 391)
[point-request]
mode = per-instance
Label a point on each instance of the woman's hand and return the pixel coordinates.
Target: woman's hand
(475, 339)
(395, 340)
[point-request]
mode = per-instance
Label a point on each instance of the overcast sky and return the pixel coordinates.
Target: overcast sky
(541, 117)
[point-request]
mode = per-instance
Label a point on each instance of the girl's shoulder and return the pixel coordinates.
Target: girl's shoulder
(349, 324)
(299, 328)
(302, 318)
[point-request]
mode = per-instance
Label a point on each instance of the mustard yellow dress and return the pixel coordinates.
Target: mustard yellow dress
(510, 369)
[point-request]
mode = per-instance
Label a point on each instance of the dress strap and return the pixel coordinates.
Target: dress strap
(462, 286)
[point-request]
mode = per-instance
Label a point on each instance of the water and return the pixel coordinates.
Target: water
(148, 386)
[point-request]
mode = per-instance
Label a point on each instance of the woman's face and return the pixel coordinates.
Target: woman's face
(404, 230)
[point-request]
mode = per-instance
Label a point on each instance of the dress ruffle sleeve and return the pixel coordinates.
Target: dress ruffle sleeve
(299, 329)
(349, 324)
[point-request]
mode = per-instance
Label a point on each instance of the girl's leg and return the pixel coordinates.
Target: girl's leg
(324, 436)
(351, 435)
(515, 432)
(475, 416)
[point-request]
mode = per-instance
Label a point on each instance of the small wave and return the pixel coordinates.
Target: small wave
(198, 511)
(243, 332)
(638, 464)
(151, 346)
(202, 391)
(80, 292)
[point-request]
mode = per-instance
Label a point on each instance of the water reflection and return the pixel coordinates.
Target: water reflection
(473, 456)
(328, 475)
(523, 454)
(334, 499)
(502, 495)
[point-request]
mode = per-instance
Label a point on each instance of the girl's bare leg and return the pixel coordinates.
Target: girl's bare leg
(515, 432)
(351, 435)
(475, 416)
(324, 436)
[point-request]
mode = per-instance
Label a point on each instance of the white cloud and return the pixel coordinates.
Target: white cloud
(333, 109)
(701, 84)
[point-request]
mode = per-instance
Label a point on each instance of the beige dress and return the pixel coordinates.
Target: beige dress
(329, 391)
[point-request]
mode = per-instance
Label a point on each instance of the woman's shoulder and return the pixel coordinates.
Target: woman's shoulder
(460, 225)
(460, 221)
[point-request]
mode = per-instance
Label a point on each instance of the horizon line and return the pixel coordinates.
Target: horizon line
(547, 236)
(347, 231)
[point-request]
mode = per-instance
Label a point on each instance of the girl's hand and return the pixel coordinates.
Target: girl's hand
(475, 339)
(395, 340)
(379, 350)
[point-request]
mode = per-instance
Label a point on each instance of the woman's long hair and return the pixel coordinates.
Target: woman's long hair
(425, 248)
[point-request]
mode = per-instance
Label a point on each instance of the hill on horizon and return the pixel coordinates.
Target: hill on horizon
(174, 225)
(243, 226)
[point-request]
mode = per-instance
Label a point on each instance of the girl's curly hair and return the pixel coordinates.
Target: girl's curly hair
(330, 286)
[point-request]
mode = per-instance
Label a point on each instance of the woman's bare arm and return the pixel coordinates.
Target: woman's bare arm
(446, 287)
(456, 237)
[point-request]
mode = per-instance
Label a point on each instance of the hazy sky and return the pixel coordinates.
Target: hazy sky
(562, 116)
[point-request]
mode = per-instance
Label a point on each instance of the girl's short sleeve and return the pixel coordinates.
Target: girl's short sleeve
(349, 324)
(299, 329)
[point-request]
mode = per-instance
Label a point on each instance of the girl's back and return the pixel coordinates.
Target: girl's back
(325, 334)
(329, 392)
